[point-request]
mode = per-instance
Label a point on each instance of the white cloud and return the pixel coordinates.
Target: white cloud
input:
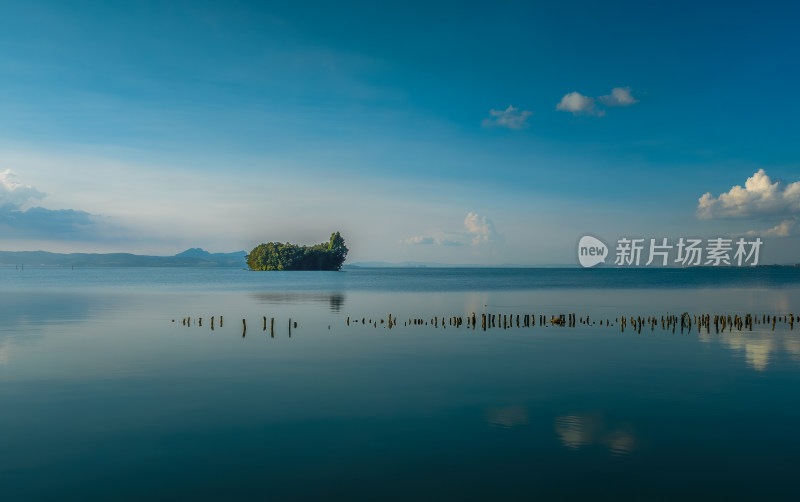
(579, 104)
(478, 230)
(620, 96)
(481, 229)
(511, 118)
(15, 193)
(760, 198)
(782, 229)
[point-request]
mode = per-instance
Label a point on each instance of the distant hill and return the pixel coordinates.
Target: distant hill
(194, 253)
(194, 257)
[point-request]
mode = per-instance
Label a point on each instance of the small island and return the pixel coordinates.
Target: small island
(278, 256)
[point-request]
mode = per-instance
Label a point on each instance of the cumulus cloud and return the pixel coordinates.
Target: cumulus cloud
(478, 230)
(782, 229)
(481, 229)
(13, 193)
(578, 104)
(620, 96)
(512, 118)
(760, 198)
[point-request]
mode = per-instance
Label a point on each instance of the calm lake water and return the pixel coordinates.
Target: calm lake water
(104, 397)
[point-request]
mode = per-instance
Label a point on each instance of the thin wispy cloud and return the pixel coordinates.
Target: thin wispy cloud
(420, 239)
(437, 238)
(477, 231)
(511, 118)
(578, 104)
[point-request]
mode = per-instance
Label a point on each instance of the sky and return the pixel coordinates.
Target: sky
(454, 132)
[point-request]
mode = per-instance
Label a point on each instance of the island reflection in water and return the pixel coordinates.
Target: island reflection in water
(335, 301)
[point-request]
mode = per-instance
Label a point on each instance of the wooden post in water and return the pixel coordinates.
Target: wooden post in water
(244, 328)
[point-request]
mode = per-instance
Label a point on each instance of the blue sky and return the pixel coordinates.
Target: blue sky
(156, 126)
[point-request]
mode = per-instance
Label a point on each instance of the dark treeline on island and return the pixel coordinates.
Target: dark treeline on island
(277, 256)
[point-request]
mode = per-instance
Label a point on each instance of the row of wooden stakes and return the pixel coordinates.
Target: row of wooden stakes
(668, 322)
(187, 321)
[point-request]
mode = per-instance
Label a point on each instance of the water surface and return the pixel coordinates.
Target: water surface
(104, 397)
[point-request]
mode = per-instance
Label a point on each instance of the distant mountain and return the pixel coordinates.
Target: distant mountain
(194, 253)
(194, 257)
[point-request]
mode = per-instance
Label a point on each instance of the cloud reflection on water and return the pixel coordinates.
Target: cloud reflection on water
(578, 431)
(759, 348)
(510, 416)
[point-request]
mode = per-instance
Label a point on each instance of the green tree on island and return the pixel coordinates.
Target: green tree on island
(278, 256)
